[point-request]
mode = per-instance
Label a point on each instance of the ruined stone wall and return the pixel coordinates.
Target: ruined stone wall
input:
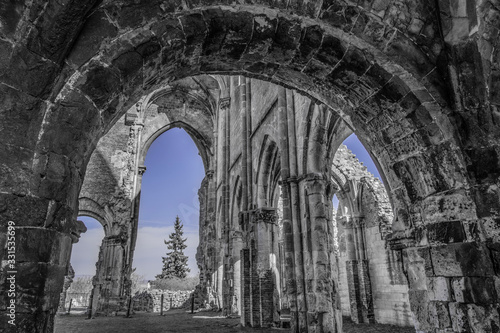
(384, 267)
(107, 196)
(416, 80)
(389, 284)
(111, 190)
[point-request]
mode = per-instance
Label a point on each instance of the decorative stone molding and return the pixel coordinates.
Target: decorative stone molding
(266, 215)
(141, 170)
(224, 103)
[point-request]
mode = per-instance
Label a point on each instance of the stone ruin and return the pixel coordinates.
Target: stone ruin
(150, 300)
(268, 91)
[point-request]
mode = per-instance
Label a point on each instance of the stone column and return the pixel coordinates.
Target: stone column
(257, 270)
(135, 210)
(109, 283)
(294, 267)
(225, 273)
(263, 280)
(324, 313)
(245, 278)
(358, 273)
(352, 271)
(68, 279)
(237, 242)
(43, 232)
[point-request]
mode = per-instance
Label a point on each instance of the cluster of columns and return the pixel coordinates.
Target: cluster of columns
(358, 272)
(251, 277)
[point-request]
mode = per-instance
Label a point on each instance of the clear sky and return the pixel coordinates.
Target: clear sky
(169, 188)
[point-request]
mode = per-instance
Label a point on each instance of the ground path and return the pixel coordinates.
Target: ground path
(179, 321)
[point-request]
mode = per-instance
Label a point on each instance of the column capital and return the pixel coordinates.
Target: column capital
(312, 176)
(264, 214)
(224, 102)
(358, 221)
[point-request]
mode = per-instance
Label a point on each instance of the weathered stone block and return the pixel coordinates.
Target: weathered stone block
(449, 207)
(461, 259)
(439, 316)
(14, 208)
(418, 266)
(459, 317)
(483, 318)
(491, 228)
(419, 306)
(445, 232)
(40, 245)
(477, 290)
(438, 288)
(41, 288)
(97, 28)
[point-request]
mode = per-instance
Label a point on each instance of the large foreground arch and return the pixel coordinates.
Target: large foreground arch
(416, 82)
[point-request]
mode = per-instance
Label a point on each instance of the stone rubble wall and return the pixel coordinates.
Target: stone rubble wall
(150, 300)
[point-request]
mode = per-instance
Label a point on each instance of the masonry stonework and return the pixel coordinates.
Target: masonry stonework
(268, 91)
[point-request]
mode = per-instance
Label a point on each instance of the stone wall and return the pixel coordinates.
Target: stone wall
(150, 300)
(416, 80)
(383, 287)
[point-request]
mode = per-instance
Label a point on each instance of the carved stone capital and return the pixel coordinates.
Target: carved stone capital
(224, 103)
(343, 222)
(141, 169)
(358, 221)
(266, 215)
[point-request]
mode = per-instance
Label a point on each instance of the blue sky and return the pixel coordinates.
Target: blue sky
(169, 188)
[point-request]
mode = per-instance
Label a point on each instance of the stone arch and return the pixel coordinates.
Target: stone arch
(268, 172)
(160, 115)
(377, 84)
(404, 123)
(349, 75)
(369, 270)
(90, 208)
(198, 139)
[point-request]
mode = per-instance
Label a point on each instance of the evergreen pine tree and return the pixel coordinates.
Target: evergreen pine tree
(175, 263)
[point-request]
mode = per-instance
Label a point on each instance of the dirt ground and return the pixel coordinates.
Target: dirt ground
(184, 322)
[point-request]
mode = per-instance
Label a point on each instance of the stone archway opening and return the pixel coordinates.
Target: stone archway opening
(373, 286)
(112, 186)
(78, 281)
(169, 188)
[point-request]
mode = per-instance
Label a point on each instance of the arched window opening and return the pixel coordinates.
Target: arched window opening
(169, 189)
(357, 148)
(372, 285)
(84, 255)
